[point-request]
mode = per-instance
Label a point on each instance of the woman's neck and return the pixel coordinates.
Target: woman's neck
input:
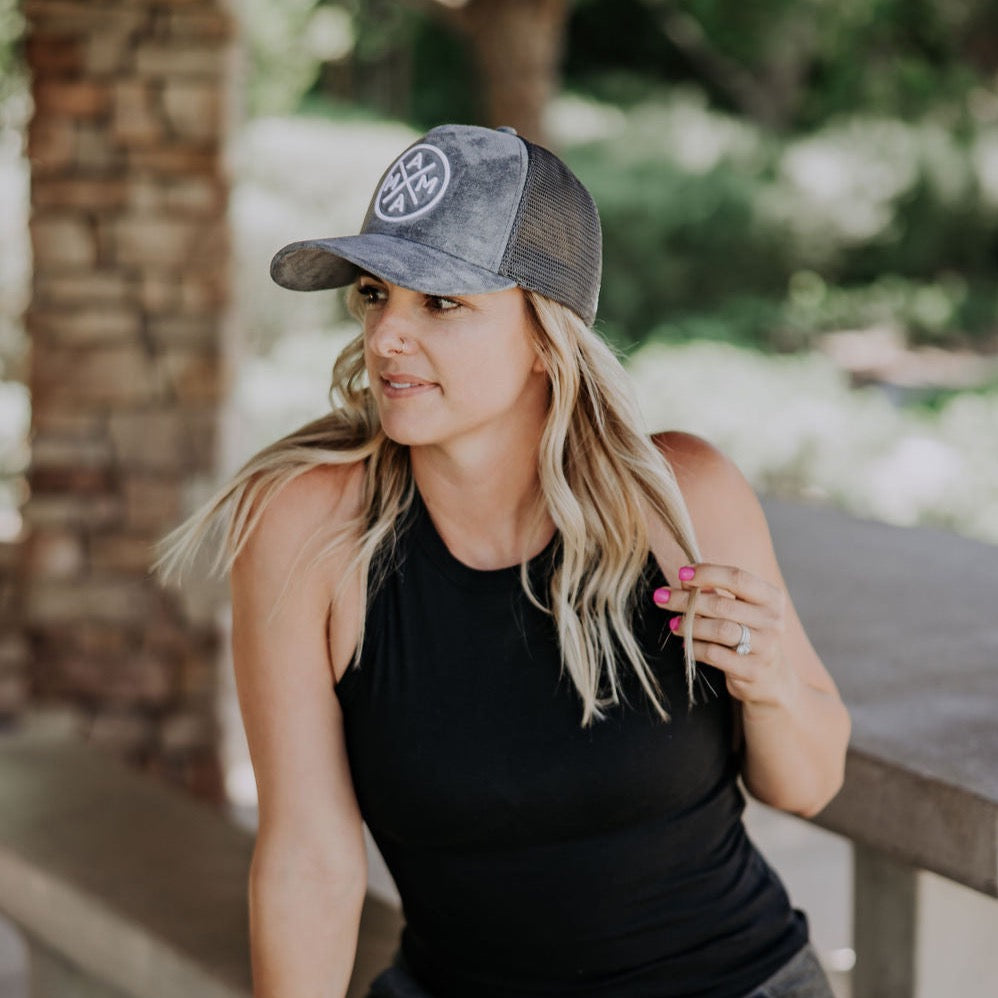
(487, 506)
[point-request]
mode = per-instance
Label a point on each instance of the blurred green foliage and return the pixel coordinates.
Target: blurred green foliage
(715, 228)
(792, 65)
(281, 65)
(802, 61)
(11, 67)
(846, 146)
(770, 170)
(383, 57)
(13, 193)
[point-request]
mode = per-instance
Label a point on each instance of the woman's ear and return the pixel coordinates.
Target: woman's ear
(540, 364)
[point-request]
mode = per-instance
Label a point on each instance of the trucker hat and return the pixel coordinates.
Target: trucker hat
(466, 210)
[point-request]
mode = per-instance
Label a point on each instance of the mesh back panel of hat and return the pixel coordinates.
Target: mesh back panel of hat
(555, 246)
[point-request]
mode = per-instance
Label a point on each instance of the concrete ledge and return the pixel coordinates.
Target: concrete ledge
(917, 821)
(907, 622)
(140, 887)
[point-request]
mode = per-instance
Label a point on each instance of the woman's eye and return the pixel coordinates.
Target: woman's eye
(439, 304)
(370, 294)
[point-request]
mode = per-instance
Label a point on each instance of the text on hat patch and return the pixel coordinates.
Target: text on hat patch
(414, 184)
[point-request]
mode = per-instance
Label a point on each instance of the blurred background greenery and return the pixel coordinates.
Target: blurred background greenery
(799, 201)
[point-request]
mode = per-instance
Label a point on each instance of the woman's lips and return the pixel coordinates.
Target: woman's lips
(397, 386)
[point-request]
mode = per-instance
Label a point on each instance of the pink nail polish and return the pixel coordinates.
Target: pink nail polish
(661, 596)
(674, 624)
(686, 573)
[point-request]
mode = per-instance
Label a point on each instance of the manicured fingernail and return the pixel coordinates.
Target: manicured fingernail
(686, 573)
(661, 596)
(674, 624)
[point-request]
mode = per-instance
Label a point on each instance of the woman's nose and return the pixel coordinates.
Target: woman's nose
(390, 332)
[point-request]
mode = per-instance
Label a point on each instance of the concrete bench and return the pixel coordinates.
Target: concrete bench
(907, 622)
(125, 888)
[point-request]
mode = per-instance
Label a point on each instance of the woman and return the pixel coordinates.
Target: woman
(470, 607)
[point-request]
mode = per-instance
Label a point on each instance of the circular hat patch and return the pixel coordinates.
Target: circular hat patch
(415, 182)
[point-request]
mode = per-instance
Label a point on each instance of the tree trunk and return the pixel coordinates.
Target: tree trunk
(517, 46)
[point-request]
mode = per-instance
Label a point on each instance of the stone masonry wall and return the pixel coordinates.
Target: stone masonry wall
(14, 671)
(128, 230)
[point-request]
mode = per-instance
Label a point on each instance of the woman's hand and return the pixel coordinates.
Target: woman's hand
(738, 627)
(795, 726)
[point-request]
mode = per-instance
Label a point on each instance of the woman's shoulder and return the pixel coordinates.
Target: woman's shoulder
(695, 461)
(324, 489)
(722, 504)
(323, 498)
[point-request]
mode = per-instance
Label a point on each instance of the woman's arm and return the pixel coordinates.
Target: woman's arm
(308, 874)
(795, 725)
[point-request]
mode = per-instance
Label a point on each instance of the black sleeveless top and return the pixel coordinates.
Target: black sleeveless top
(535, 857)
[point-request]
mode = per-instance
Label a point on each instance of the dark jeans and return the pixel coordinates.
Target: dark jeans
(800, 977)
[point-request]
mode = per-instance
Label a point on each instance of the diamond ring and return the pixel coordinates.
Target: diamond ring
(744, 646)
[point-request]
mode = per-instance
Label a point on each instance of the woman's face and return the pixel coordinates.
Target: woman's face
(454, 371)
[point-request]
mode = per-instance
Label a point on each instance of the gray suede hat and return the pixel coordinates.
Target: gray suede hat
(466, 210)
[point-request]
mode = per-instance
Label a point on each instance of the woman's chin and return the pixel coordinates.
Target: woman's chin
(407, 435)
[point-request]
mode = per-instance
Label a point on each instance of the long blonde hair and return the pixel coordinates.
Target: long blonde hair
(600, 478)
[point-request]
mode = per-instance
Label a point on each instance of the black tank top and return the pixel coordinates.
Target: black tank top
(535, 857)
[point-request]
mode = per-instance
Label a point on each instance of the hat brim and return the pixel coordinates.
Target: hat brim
(316, 264)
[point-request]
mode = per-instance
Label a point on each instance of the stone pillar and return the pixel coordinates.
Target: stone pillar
(14, 671)
(128, 228)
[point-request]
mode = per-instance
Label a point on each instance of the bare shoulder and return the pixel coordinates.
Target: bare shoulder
(321, 498)
(726, 513)
(691, 456)
(311, 498)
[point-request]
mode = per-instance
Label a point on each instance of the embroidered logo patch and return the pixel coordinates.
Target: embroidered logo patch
(414, 184)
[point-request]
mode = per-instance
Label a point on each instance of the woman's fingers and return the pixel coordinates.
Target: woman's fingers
(741, 584)
(716, 607)
(725, 633)
(717, 630)
(742, 668)
(733, 608)
(726, 592)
